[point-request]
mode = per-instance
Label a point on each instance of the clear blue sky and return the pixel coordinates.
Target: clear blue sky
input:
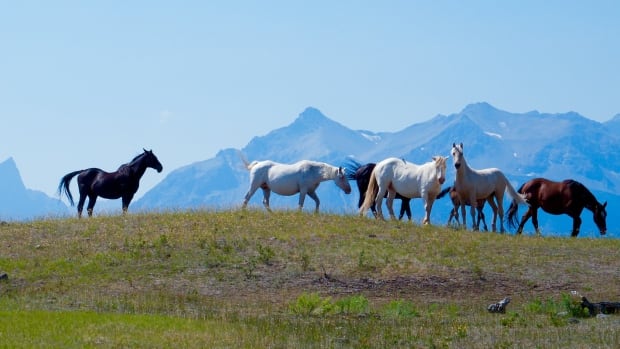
(89, 84)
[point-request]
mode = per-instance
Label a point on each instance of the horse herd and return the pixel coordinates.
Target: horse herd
(392, 178)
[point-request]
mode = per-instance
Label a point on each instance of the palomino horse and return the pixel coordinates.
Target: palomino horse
(302, 177)
(123, 183)
(473, 185)
(361, 174)
(566, 197)
(394, 175)
(456, 202)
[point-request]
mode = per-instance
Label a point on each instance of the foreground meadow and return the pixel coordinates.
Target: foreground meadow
(248, 279)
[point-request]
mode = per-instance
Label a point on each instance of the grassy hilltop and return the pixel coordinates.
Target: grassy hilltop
(288, 279)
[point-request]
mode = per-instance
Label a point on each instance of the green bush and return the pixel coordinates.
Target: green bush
(311, 304)
(400, 309)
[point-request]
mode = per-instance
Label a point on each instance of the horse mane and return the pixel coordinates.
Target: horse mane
(351, 167)
(133, 161)
(327, 171)
(589, 198)
(439, 160)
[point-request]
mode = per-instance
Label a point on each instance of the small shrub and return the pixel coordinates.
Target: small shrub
(356, 305)
(538, 306)
(305, 261)
(265, 254)
(512, 319)
(400, 309)
(311, 304)
(573, 306)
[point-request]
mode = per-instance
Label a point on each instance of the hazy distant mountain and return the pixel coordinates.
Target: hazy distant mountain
(556, 146)
(19, 203)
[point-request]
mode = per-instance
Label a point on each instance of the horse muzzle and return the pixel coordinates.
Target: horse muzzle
(457, 165)
(441, 180)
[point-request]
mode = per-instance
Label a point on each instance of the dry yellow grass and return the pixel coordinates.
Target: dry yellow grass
(238, 272)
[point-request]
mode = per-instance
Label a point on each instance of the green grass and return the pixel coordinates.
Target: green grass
(289, 279)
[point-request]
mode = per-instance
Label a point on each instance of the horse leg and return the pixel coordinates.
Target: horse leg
(302, 198)
(481, 218)
(126, 200)
(373, 209)
(494, 209)
(91, 204)
(401, 214)
(499, 196)
(390, 203)
(576, 225)
(248, 195)
(454, 212)
(474, 205)
(407, 204)
(80, 205)
(379, 203)
(316, 200)
(266, 195)
(535, 221)
(464, 215)
(428, 205)
(524, 219)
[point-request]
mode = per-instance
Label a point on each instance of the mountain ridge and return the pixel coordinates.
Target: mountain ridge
(524, 146)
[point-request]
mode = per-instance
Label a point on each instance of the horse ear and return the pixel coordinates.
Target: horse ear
(461, 145)
(453, 145)
(605, 204)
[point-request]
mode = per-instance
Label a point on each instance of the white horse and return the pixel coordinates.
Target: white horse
(409, 180)
(474, 185)
(302, 177)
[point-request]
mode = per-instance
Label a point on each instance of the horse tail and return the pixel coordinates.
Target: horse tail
(247, 164)
(515, 195)
(513, 210)
(250, 165)
(371, 193)
(64, 185)
(443, 192)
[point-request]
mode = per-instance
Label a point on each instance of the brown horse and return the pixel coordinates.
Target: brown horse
(566, 197)
(456, 202)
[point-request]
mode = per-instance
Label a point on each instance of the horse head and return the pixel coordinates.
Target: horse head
(152, 161)
(342, 181)
(457, 155)
(600, 217)
(440, 166)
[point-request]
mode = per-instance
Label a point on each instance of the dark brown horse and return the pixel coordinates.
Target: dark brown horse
(567, 197)
(361, 174)
(123, 183)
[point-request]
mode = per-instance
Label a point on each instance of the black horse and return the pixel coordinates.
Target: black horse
(361, 174)
(123, 183)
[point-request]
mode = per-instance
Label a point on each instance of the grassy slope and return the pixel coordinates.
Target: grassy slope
(233, 278)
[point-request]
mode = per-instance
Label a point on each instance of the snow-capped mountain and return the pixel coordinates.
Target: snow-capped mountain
(533, 144)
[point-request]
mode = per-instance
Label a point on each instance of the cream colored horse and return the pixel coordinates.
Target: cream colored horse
(394, 175)
(473, 185)
(302, 177)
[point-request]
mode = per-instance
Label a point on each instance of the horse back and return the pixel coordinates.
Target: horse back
(482, 182)
(553, 197)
